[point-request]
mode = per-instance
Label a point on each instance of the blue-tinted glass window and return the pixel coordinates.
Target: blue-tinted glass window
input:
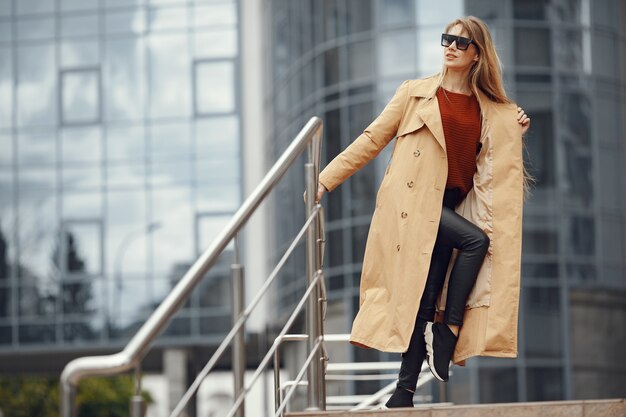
(78, 52)
(125, 21)
(36, 88)
(80, 25)
(530, 9)
(81, 248)
(6, 7)
(215, 43)
(214, 89)
(6, 88)
(544, 384)
(498, 385)
(396, 53)
(215, 15)
(542, 318)
(395, 13)
(532, 47)
(170, 78)
(428, 15)
(580, 235)
(605, 13)
(125, 74)
(80, 96)
(80, 145)
(24, 7)
(167, 18)
(35, 29)
(75, 5)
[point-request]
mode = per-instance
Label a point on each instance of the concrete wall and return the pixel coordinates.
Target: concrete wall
(255, 166)
(598, 360)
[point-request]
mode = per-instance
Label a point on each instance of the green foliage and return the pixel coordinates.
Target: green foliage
(106, 397)
(29, 396)
(35, 396)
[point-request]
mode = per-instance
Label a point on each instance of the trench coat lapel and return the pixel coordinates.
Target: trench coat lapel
(428, 110)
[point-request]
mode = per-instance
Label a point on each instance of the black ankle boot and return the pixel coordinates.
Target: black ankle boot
(400, 398)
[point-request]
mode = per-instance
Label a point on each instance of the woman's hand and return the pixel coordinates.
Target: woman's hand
(320, 192)
(523, 119)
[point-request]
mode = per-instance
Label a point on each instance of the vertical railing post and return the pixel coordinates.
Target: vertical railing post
(312, 310)
(239, 343)
(137, 404)
(315, 150)
(322, 354)
(277, 395)
(68, 397)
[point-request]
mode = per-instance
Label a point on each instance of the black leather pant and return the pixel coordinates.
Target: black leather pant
(454, 232)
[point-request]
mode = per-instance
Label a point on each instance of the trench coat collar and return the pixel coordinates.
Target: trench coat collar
(429, 108)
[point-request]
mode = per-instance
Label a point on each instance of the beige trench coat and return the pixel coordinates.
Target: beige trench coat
(406, 219)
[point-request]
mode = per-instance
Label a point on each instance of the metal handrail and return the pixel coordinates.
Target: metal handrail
(310, 136)
(307, 362)
(424, 377)
(230, 336)
(319, 276)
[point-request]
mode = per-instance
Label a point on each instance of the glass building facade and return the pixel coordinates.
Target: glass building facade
(119, 163)
(563, 63)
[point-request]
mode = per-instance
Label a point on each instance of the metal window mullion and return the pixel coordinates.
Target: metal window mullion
(59, 191)
(147, 132)
(13, 292)
(520, 363)
(192, 161)
(562, 279)
(106, 295)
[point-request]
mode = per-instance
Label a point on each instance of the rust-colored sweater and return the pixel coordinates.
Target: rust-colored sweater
(460, 116)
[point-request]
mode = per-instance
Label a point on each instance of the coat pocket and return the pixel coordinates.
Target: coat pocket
(410, 124)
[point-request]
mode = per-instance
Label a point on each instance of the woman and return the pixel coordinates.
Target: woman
(440, 278)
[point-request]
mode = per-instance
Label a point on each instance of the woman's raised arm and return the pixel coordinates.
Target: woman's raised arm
(369, 144)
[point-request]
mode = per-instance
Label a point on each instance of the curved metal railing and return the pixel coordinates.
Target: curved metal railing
(130, 357)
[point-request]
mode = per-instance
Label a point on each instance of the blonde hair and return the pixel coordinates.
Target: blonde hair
(486, 73)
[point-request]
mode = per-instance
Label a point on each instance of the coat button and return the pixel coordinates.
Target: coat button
(398, 247)
(404, 214)
(416, 153)
(410, 184)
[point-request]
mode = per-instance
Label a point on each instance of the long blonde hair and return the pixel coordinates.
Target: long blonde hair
(486, 73)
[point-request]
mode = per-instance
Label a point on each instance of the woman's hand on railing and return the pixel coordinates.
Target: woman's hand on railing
(320, 193)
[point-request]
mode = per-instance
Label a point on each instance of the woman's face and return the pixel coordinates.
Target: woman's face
(457, 59)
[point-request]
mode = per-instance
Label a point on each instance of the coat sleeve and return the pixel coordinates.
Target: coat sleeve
(369, 144)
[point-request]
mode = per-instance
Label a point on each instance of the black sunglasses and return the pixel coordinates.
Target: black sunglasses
(461, 42)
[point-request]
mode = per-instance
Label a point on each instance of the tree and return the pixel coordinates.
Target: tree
(75, 295)
(76, 289)
(38, 396)
(29, 396)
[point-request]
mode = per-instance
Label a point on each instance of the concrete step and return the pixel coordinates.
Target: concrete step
(584, 408)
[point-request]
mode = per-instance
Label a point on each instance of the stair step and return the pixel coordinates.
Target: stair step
(580, 408)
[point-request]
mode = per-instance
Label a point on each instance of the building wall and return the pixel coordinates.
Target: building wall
(598, 369)
(342, 60)
(253, 152)
(119, 163)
